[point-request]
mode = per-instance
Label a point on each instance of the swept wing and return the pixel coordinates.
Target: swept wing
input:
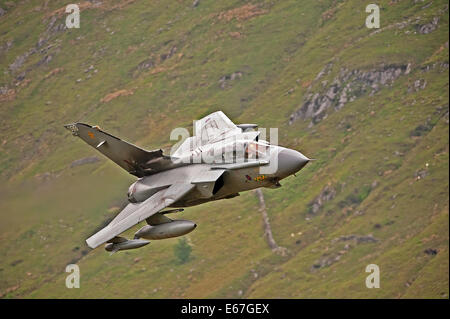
(133, 159)
(133, 214)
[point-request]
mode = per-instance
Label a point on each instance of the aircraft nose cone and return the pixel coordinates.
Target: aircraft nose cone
(290, 162)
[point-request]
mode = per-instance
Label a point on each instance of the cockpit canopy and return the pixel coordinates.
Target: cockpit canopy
(256, 150)
(237, 151)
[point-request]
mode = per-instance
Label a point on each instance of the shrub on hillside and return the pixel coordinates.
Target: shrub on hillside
(182, 250)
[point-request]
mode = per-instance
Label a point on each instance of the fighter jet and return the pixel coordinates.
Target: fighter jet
(218, 162)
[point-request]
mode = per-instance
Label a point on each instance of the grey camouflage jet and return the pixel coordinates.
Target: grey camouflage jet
(220, 161)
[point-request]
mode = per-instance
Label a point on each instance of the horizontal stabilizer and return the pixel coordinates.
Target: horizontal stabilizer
(125, 244)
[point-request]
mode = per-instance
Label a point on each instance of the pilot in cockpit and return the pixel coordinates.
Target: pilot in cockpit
(256, 150)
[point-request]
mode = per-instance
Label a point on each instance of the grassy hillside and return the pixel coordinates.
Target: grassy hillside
(371, 105)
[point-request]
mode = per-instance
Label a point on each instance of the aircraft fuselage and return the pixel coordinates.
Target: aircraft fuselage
(229, 184)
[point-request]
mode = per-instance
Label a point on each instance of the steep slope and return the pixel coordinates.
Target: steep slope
(370, 105)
